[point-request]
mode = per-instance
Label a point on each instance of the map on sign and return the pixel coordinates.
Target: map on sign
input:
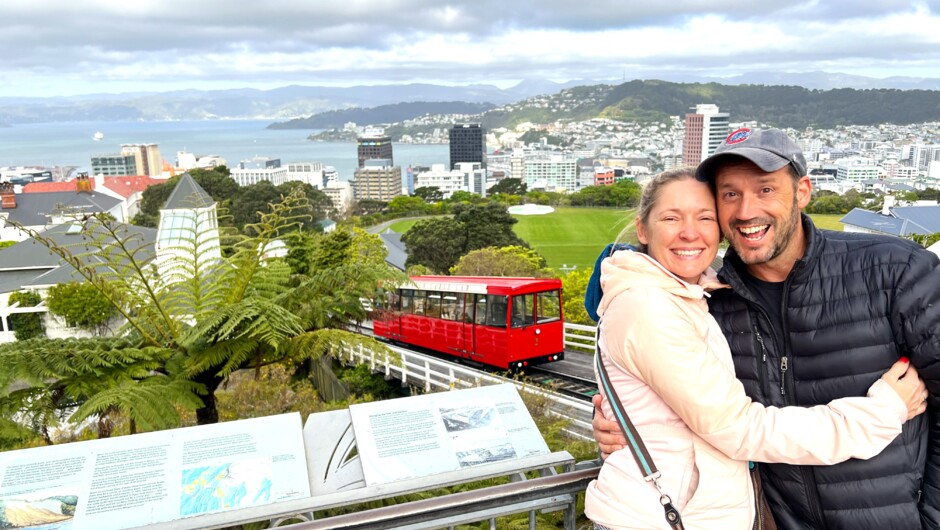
(223, 487)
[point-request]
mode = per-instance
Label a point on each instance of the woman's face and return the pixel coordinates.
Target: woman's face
(682, 231)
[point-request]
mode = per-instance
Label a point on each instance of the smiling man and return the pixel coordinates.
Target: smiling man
(815, 315)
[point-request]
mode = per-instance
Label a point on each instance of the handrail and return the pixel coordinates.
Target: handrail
(435, 374)
(428, 513)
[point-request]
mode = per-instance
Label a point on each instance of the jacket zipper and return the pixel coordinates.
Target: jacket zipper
(762, 368)
(809, 478)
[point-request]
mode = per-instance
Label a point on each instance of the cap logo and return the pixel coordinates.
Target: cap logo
(738, 136)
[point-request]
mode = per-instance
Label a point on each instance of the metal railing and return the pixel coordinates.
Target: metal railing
(580, 337)
(433, 374)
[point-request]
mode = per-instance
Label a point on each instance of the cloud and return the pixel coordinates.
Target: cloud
(105, 44)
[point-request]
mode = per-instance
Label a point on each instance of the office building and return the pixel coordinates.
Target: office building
(467, 144)
(114, 165)
(552, 173)
(705, 129)
(257, 169)
(307, 172)
(374, 145)
(377, 180)
(146, 157)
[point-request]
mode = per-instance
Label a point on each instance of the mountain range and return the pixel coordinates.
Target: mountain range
(301, 101)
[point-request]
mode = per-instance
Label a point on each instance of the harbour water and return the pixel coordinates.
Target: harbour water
(73, 144)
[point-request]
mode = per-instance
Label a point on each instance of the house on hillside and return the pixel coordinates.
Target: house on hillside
(901, 221)
(40, 211)
(128, 189)
(189, 214)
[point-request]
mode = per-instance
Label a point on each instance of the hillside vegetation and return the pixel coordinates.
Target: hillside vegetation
(780, 106)
(398, 112)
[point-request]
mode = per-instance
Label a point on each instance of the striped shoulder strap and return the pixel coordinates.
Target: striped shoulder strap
(634, 442)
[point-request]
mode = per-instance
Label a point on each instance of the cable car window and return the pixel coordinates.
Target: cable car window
(434, 304)
(420, 303)
(407, 301)
(496, 309)
(480, 306)
(549, 307)
(449, 306)
(523, 310)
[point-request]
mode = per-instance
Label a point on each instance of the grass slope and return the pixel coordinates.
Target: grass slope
(575, 236)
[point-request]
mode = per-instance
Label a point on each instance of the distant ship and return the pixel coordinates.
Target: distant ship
(99, 136)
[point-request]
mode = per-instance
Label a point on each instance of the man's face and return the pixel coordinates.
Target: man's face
(759, 213)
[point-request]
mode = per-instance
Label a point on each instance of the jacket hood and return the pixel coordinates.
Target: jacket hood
(625, 269)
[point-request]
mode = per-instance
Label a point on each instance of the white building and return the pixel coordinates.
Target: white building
(257, 169)
(340, 194)
(554, 173)
(447, 181)
(187, 161)
(856, 169)
(306, 172)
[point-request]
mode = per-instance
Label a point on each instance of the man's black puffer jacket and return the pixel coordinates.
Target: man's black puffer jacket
(853, 305)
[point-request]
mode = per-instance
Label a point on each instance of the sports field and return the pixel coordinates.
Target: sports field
(567, 236)
(575, 236)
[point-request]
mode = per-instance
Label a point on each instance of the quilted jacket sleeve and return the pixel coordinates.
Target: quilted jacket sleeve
(916, 318)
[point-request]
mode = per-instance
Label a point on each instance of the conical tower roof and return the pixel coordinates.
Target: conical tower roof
(188, 194)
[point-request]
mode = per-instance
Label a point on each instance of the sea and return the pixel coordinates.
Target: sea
(73, 144)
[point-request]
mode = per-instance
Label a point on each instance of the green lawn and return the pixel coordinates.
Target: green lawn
(829, 221)
(575, 236)
(567, 236)
(572, 236)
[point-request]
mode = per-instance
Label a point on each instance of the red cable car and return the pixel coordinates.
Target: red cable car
(502, 322)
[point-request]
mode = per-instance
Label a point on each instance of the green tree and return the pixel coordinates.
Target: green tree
(435, 243)
(486, 225)
(81, 305)
(430, 194)
(407, 204)
(332, 250)
(505, 261)
(465, 196)
(369, 206)
(366, 248)
(191, 322)
(26, 325)
(509, 186)
(574, 285)
(251, 202)
(931, 239)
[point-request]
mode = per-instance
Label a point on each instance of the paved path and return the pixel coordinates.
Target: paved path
(379, 228)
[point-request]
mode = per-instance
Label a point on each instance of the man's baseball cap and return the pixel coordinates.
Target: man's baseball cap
(769, 149)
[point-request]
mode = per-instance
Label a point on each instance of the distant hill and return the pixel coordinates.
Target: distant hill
(781, 106)
(398, 112)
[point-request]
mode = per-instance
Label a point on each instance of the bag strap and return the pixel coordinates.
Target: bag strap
(635, 443)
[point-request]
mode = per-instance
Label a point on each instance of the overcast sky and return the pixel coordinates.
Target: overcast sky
(67, 47)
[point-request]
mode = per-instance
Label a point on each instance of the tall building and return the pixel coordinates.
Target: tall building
(114, 165)
(467, 144)
(377, 180)
(146, 157)
(705, 129)
(374, 145)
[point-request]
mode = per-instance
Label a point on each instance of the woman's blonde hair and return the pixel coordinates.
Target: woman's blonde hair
(651, 193)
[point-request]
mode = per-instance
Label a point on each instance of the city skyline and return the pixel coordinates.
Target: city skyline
(58, 48)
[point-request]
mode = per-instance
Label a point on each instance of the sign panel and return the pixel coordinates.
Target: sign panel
(435, 433)
(153, 477)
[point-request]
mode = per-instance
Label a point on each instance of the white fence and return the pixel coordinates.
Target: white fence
(434, 374)
(580, 337)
